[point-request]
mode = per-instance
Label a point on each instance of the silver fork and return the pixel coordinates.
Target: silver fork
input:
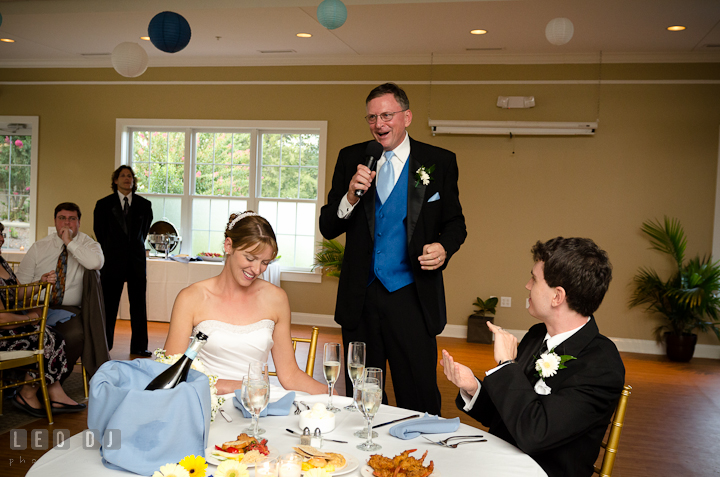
(308, 407)
(297, 408)
(444, 442)
(454, 446)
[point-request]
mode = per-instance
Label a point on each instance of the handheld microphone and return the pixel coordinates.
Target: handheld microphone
(373, 151)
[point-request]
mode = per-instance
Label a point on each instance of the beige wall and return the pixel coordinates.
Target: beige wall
(655, 153)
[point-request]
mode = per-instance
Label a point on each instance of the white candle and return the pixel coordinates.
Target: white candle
(290, 469)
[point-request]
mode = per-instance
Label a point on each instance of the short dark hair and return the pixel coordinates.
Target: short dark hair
(2, 227)
(71, 206)
(116, 174)
(390, 88)
(580, 267)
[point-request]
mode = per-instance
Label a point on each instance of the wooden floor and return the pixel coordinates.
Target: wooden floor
(672, 425)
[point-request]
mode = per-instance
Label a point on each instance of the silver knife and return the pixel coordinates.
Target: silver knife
(224, 414)
(324, 438)
(396, 420)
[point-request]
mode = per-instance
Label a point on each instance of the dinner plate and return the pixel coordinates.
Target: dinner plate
(211, 459)
(351, 463)
(210, 259)
(366, 471)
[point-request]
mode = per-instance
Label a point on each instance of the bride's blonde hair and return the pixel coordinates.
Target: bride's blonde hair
(249, 230)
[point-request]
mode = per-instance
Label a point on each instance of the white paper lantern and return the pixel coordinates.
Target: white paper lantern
(559, 31)
(129, 59)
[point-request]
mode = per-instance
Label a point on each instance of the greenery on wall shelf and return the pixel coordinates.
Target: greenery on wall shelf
(330, 257)
(690, 298)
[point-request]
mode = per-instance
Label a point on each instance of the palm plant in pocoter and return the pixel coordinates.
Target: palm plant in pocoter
(690, 298)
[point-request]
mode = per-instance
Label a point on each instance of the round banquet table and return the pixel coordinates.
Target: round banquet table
(494, 458)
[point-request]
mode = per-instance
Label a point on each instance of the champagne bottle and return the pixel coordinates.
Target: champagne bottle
(177, 373)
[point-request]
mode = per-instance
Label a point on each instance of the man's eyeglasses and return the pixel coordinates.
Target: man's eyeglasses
(62, 218)
(387, 116)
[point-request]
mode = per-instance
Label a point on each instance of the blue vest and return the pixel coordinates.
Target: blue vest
(390, 261)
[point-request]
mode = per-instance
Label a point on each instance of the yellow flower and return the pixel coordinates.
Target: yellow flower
(232, 468)
(171, 470)
(195, 466)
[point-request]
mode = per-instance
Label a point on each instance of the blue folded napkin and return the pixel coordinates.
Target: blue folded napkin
(58, 316)
(425, 425)
(281, 407)
(157, 427)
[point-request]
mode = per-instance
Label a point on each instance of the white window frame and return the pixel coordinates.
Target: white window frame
(122, 144)
(34, 124)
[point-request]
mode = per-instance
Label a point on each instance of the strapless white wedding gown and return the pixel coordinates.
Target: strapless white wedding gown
(230, 349)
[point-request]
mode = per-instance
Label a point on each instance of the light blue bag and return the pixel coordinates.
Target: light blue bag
(156, 427)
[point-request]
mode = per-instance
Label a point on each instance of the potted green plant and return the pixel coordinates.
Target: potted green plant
(689, 299)
(330, 257)
(477, 330)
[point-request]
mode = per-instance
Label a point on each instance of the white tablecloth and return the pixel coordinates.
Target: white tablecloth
(494, 458)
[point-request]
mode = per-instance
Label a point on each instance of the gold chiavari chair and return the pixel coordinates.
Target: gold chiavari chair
(310, 364)
(86, 388)
(27, 297)
(611, 445)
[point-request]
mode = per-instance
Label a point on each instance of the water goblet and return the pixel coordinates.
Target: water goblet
(357, 397)
(255, 395)
(371, 401)
(331, 368)
(356, 366)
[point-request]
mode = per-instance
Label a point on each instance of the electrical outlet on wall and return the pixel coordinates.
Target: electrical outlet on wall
(505, 301)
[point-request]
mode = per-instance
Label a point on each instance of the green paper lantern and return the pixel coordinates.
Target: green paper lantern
(332, 14)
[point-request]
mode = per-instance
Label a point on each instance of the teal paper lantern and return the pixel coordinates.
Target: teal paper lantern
(169, 32)
(332, 14)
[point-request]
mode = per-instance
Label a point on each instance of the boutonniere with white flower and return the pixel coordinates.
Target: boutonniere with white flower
(423, 175)
(197, 365)
(548, 364)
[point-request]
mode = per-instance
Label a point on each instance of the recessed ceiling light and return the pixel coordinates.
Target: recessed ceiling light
(478, 32)
(676, 28)
(146, 38)
(7, 40)
(304, 35)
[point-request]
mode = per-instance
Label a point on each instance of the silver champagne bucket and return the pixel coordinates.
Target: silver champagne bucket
(163, 237)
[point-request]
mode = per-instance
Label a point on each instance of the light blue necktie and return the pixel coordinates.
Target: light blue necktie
(386, 180)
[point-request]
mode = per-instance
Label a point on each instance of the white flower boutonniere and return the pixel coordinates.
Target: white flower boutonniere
(423, 175)
(547, 364)
(197, 364)
(541, 388)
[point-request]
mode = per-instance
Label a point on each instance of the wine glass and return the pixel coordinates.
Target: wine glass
(331, 368)
(355, 366)
(357, 397)
(255, 396)
(371, 400)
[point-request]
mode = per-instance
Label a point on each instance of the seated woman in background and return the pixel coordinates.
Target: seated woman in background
(26, 398)
(243, 316)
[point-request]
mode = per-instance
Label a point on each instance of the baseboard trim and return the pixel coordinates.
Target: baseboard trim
(460, 331)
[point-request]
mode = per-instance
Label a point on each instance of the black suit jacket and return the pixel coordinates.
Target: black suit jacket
(427, 222)
(563, 430)
(122, 246)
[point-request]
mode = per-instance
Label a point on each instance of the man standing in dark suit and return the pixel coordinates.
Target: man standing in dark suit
(122, 222)
(399, 238)
(554, 395)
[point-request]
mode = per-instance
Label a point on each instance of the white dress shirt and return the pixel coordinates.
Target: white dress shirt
(122, 196)
(83, 253)
(401, 154)
(552, 343)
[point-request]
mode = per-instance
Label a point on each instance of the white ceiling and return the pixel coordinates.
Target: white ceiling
(83, 33)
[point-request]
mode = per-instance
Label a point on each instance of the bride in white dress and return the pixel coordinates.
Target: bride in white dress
(243, 316)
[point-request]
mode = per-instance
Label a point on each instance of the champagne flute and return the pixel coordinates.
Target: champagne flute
(371, 401)
(255, 396)
(357, 397)
(355, 366)
(331, 368)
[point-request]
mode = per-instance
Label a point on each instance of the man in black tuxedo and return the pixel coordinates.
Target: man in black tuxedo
(122, 222)
(399, 238)
(556, 411)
